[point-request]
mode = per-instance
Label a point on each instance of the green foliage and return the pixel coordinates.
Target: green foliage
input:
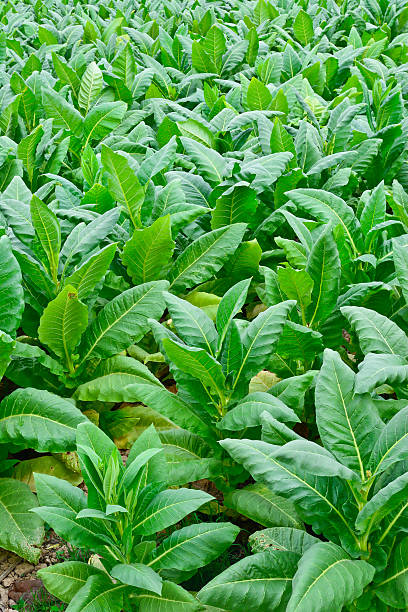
(123, 507)
(204, 228)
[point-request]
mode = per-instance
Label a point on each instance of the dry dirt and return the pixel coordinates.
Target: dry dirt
(18, 579)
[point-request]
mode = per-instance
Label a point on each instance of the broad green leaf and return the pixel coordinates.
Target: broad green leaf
(281, 538)
(247, 413)
(327, 207)
(7, 346)
(63, 114)
(66, 74)
(194, 546)
(52, 491)
(292, 390)
(138, 575)
(258, 583)
(306, 455)
(393, 588)
(201, 60)
(400, 256)
(78, 531)
(167, 508)
(98, 594)
(296, 285)
(323, 267)
(173, 599)
(62, 324)
(11, 294)
(231, 303)
(63, 580)
(159, 161)
(374, 210)
(124, 66)
(235, 207)
(214, 44)
(91, 86)
(348, 425)
(323, 565)
(210, 164)
(281, 140)
(48, 232)
(376, 333)
(258, 95)
(315, 498)
(392, 444)
(39, 420)
(26, 150)
(193, 326)
(299, 342)
(21, 532)
(113, 387)
(376, 370)
(205, 256)
(303, 27)
(89, 274)
(261, 336)
(123, 321)
(266, 170)
(294, 251)
(169, 405)
(275, 432)
(195, 130)
(261, 505)
(123, 183)
(196, 362)
(383, 503)
(102, 119)
(149, 251)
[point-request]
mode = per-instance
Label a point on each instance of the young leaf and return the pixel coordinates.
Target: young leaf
(48, 231)
(303, 27)
(123, 183)
(258, 95)
(323, 267)
(91, 85)
(148, 252)
(62, 324)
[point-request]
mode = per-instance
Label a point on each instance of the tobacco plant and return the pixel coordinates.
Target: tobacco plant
(118, 520)
(351, 489)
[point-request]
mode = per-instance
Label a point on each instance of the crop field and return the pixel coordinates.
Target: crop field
(204, 305)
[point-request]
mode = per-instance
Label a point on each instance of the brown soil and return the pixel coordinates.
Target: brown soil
(18, 578)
